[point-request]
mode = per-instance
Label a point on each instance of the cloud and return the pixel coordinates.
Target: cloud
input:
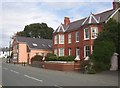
(17, 14)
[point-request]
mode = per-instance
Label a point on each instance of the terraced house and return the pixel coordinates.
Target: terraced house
(77, 38)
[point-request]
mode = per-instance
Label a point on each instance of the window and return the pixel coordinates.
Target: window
(92, 48)
(34, 44)
(61, 51)
(69, 38)
(94, 32)
(86, 51)
(55, 52)
(61, 39)
(86, 34)
(69, 51)
(55, 39)
(77, 51)
(77, 36)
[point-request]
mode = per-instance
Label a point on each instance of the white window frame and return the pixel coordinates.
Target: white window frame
(55, 52)
(77, 36)
(86, 34)
(69, 51)
(86, 50)
(61, 51)
(77, 51)
(92, 48)
(61, 38)
(69, 38)
(95, 34)
(56, 39)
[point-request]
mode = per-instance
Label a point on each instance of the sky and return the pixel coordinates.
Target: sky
(15, 14)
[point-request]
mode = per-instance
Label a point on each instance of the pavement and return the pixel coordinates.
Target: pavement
(18, 75)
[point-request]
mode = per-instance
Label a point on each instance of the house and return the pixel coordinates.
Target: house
(24, 48)
(77, 38)
(5, 52)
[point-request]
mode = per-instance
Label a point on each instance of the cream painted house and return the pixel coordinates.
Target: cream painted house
(25, 48)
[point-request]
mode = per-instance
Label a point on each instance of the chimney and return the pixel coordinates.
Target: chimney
(66, 20)
(116, 4)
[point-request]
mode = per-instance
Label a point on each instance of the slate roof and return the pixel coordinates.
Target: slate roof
(36, 43)
(92, 19)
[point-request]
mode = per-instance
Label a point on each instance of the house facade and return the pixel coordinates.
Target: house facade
(77, 38)
(25, 48)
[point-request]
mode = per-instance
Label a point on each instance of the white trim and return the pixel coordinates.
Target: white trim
(95, 19)
(96, 32)
(112, 15)
(85, 21)
(77, 36)
(60, 27)
(69, 37)
(85, 34)
(60, 38)
(90, 19)
(60, 50)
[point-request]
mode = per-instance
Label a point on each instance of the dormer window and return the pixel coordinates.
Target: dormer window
(34, 44)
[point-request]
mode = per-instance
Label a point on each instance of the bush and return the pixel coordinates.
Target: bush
(102, 54)
(36, 58)
(52, 57)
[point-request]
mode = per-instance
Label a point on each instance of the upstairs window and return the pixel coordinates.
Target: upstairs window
(56, 39)
(86, 34)
(69, 38)
(94, 32)
(77, 36)
(61, 39)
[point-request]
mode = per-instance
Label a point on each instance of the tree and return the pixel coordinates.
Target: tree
(37, 30)
(106, 44)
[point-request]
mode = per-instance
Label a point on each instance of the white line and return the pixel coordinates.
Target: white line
(33, 78)
(14, 71)
(0, 66)
(58, 86)
(5, 68)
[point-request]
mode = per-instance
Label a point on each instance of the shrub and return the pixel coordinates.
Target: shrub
(52, 57)
(102, 54)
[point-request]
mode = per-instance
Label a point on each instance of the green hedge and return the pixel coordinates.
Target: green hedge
(52, 57)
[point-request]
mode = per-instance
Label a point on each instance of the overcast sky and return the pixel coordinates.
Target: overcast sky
(15, 14)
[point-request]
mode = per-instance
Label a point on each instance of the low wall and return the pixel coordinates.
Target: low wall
(59, 66)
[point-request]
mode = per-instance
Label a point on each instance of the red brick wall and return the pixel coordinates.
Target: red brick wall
(81, 42)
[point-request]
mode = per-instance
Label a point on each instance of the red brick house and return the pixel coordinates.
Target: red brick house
(76, 38)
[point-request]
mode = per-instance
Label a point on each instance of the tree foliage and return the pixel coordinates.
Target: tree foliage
(106, 44)
(37, 30)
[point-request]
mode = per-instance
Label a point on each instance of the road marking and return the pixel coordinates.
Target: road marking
(33, 78)
(0, 86)
(58, 86)
(0, 66)
(14, 71)
(5, 68)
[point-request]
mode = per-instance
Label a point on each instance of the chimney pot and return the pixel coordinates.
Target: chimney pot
(66, 20)
(116, 4)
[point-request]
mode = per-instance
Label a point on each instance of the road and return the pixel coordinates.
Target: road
(18, 75)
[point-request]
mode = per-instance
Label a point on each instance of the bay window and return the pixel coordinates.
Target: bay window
(86, 51)
(94, 32)
(69, 38)
(86, 34)
(61, 51)
(61, 39)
